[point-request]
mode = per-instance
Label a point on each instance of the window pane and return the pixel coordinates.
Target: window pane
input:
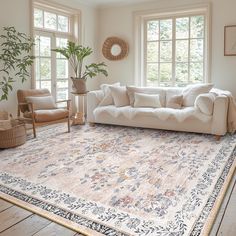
(182, 28)
(197, 26)
(46, 85)
(165, 72)
(181, 50)
(152, 74)
(63, 24)
(61, 42)
(196, 72)
(38, 18)
(45, 46)
(36, 47)
(196, 50)
(37, 68)
(165, 29)
(62, 68)
(50, 20)
(152, 30)
(62, 84)
(181, 73)
(166, 51)
(37, 84)
(45, 68)
(152, 52)
(62, 94)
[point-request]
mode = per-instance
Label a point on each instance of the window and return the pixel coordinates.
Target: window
(52, 28)
(174, 49)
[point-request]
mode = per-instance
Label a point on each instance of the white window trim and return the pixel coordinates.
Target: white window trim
(141, 17)
(76, 28)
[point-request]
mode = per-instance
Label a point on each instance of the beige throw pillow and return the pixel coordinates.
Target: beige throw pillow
(107, 100)
(131, 90)
(120, 96)
(175, 102)
(147, 100)
(191, 92)
(42, 103)
(205, 103)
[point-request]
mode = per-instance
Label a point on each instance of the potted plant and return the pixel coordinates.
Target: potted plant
(76, 55)
(15, 59)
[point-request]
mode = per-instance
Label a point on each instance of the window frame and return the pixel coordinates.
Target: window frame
(74, 25)
(140, 40)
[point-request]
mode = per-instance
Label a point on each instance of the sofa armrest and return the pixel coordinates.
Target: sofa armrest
(220, 112)
(93, 99)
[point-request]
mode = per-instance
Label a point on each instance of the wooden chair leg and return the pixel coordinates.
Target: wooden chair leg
(68, 123)
(34, 130)
(217, 137)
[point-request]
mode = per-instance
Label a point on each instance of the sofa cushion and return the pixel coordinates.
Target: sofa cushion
(120, 96)
(205, 103)
(107, 100)
(48, 115)
(147, 100)
(191, 92)
(146, 90)
(175, 102)
(41, 103)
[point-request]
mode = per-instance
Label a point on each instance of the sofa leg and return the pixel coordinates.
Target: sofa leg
(217, 137)
(91, 124)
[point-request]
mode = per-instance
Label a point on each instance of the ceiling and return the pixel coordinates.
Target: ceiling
(104, 3)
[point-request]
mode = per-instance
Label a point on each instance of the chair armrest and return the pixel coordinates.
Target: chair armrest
(67, 100)
(220, 115)
(93, 100)
(31, 107)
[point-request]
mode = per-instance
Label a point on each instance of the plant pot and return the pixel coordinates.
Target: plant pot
(79, 85)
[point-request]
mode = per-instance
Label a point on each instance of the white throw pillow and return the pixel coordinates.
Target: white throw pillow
(107, 100)
(191, 92)
(131, 90)
(205, 103)
(120, 96)
(175, 102)
(42, 103)
(147, 100)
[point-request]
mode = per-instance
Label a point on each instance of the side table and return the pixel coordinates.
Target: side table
(79, 117)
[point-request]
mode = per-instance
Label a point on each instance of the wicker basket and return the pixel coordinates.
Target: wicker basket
(13, 137)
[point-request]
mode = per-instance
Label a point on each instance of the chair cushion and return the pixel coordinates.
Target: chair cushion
(22, 94)
(48, 115)
(42, 103)
(147, 100)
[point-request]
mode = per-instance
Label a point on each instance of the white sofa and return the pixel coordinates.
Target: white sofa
(189, 118)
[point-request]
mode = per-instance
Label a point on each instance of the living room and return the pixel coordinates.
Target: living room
(150, 148)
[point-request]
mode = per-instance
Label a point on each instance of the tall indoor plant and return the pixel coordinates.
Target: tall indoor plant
(15, 59)
(76, 55)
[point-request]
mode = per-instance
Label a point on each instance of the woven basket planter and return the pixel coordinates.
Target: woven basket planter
(13, 137)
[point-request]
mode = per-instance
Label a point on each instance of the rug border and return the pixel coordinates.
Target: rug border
(218, 202)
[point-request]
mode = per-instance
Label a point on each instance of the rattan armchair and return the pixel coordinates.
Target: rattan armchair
(27, 113)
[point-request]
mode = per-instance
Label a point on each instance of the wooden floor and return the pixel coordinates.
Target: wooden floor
(15, 221)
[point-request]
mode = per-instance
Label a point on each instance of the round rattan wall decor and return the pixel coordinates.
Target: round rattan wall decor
(115, 49)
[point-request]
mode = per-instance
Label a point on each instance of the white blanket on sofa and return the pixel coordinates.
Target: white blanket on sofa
(231, 124)
(161, 113)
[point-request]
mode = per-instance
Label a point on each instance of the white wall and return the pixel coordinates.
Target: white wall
(17, 13)
(118, 21)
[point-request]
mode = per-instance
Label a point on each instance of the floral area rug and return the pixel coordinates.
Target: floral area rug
(110, 180)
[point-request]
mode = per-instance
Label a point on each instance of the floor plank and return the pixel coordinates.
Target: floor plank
(27, 227)
(4, 205)
(54, 229)
(228, 224)
(12, 216)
